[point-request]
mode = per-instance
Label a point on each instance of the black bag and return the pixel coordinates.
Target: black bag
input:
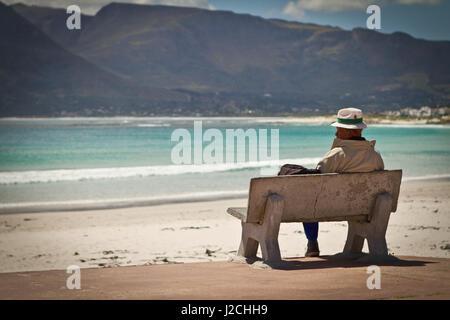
(291, 169)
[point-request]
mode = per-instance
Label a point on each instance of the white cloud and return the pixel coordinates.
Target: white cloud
(294, 10)
(297, 9)
(92, 6)
(431, 2)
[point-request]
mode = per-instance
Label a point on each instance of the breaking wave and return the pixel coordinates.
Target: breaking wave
(43, 176)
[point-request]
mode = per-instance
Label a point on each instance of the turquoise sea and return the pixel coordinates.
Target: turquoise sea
(85, 163)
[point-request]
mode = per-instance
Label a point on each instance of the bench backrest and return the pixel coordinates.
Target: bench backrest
(324, 197)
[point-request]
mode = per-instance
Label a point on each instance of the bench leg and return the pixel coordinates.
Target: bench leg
(270, 250)
(266, 234)
(249, 246)
(376, 237)
(374, 231)
(355, 242)
(377, 245)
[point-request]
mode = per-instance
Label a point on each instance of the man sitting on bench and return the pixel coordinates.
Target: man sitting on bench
(350, 152)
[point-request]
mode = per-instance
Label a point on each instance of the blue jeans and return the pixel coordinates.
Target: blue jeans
(311, 230)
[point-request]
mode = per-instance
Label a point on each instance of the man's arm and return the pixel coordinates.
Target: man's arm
(380, 162)
(331, 161)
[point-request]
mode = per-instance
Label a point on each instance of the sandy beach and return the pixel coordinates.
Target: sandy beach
(201, 232)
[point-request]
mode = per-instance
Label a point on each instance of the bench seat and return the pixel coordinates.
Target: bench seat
(241, 214)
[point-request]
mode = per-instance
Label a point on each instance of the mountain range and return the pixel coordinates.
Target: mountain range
(133, 59)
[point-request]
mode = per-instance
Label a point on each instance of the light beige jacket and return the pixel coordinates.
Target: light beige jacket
(351, 156)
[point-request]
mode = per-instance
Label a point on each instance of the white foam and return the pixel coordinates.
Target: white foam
(409, 124)
(145, 125)
(40, 176)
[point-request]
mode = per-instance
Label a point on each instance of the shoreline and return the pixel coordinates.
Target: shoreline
(201, 232)
(106, 204)
(313, 119)
(82, 205)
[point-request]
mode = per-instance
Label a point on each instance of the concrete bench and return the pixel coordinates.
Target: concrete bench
(365, 200)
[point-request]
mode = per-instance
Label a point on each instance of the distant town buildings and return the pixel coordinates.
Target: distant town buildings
(423, 112)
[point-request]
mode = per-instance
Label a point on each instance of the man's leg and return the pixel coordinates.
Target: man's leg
(312, 232)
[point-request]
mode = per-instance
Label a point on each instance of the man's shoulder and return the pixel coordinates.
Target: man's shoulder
(335, 152)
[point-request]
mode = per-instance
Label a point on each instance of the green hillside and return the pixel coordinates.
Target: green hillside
(219, 62)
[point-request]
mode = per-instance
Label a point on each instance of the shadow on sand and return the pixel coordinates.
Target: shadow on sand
(334, 261)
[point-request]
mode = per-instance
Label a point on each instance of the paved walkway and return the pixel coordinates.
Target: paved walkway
(298, 278)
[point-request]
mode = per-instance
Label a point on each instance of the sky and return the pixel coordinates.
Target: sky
(425, 19)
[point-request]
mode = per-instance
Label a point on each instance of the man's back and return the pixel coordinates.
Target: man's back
(352, 155)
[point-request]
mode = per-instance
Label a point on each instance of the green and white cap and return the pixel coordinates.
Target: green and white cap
(350, 118)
